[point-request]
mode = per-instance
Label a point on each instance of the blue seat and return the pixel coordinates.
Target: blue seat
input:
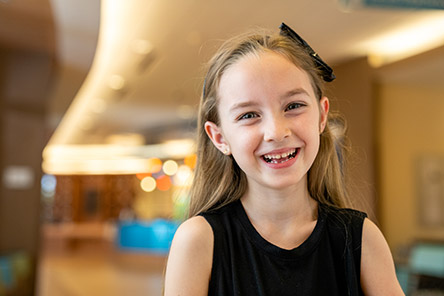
(152, 236)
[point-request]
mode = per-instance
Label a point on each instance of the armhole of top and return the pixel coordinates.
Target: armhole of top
(216, 241)
(358, 229)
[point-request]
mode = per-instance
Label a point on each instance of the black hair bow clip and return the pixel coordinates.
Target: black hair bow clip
(327, 72)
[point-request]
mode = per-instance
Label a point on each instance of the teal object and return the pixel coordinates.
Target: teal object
(408, 4)
(6, 272)
(402, 273)
(428, 259)
(152, 236)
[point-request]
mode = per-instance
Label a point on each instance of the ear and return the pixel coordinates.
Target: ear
(216, 136)
(324, 107)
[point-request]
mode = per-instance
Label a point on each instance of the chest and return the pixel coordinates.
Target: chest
(287, 238)
(323, 264)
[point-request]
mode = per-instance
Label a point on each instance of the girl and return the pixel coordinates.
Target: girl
(267, 209)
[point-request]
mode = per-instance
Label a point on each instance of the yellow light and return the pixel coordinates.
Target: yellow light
(107, 159)
(170, 167)
(142, 46)
(190, 160)
(406, 41)
(148, 184)
(116, 82)
(125, 139)
(183, 176)
(154, 165)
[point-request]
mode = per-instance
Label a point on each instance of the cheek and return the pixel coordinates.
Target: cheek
(243, 144)
(309, 126)
(315, 143)
(309, 134)
(243, 140)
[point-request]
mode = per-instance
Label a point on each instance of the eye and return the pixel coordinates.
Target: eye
(293, 106)
(249, 115)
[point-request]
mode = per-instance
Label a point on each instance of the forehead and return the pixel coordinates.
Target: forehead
(264, 73)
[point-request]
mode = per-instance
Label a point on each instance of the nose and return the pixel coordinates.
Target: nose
(276, 129)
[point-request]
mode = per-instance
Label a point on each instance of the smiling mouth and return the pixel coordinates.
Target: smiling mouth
(280, 158)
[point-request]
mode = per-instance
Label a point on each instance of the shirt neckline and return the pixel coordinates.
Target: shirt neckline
(303, 249)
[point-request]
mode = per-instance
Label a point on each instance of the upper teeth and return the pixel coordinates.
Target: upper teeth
(279, 156)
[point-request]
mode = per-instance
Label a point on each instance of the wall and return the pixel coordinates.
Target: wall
(411, 127)
(67, 82)
(352, 95)
(24, 80)
(396, 118)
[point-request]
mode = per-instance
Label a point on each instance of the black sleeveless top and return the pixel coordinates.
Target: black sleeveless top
(327, 263)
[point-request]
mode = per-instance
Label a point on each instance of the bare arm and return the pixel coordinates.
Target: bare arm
(378, 276)
(190, 259)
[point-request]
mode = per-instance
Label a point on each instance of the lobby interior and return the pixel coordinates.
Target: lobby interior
(98, 107)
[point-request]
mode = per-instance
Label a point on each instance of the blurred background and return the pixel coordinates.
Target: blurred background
(98, 104)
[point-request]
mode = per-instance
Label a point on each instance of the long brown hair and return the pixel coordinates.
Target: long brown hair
(218, 180)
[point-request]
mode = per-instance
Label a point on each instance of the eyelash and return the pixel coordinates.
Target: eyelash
(248, 116)
(295, 105)
(251, 115)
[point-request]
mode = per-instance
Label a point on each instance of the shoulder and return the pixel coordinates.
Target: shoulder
(193, 237)
(195, 230)
(190, 258)
(378, 276)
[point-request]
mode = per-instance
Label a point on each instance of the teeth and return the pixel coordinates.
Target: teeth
(279, 156)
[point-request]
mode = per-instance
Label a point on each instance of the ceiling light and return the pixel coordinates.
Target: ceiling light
(112, 159)
(142, 46)
(405, 41)
(127, 139)
(116, 82)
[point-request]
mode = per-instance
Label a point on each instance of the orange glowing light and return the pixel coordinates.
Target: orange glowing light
(154, 165)
(190, 160)
(163, 183)
(141, 176)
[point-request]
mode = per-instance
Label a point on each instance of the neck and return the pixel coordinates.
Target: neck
(285, 218)
(279, 205)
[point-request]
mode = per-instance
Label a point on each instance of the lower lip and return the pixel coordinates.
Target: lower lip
(282, 165)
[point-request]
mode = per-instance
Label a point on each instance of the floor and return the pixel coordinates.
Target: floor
(98, 269)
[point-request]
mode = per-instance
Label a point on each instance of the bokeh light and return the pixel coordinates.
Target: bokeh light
(148, 184)
(170, 167)
(142, 176)
(154, 165)
(183, 176)
(163, 183)
(190, 160)
(48, 183)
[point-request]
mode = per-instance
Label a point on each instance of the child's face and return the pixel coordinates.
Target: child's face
(270, 120)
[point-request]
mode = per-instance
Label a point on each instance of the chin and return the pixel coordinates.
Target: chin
(283, 184)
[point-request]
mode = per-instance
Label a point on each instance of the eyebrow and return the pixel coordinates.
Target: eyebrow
(294, 92)
(242, 105)
(288, 94)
